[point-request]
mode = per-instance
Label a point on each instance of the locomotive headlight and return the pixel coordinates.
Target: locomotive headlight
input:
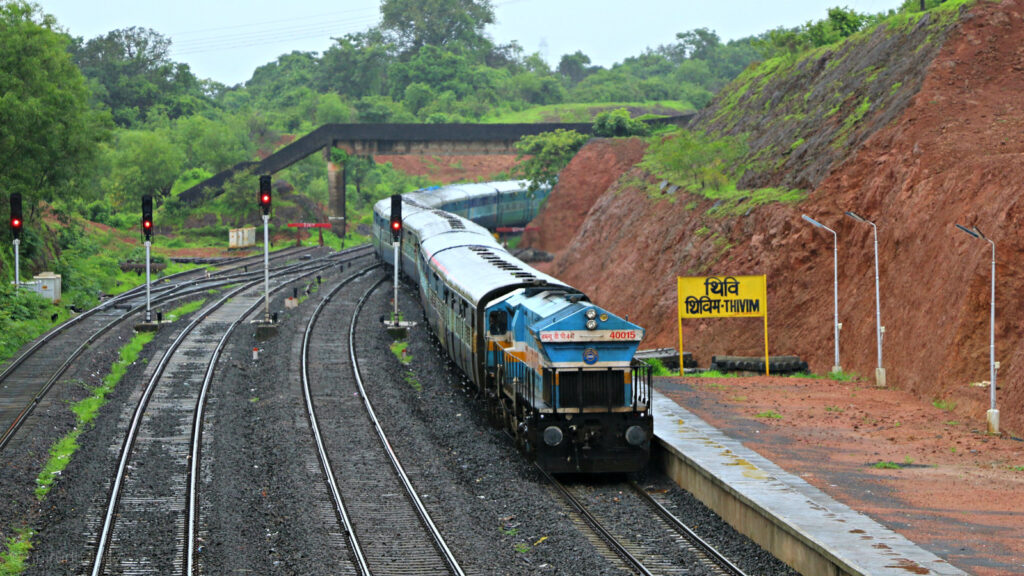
(591, 314)
(635, 435)
(553, 435)
(591, 324)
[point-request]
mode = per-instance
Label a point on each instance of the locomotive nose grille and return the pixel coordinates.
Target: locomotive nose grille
(582, 389)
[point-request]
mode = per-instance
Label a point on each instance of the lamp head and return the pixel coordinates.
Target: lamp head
(974, 233)
(857, 217)
(812, 221)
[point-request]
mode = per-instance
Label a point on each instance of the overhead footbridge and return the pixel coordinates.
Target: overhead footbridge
(387, 139)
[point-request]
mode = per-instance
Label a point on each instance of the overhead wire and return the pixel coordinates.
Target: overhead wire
(264, 33)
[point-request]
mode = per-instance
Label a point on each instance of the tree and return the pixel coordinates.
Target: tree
(143, 162)
(436, 67)
(48, 132)
(213, 145)
(355, 66)
(698, 44)
(417, 23)
(574, 67)
(133, 69)
(542, 156)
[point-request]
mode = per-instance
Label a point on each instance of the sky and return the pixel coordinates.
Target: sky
(226, 40)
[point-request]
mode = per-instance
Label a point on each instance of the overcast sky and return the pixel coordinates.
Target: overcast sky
(226, 40)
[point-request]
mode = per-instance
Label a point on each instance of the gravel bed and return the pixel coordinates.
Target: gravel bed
(70, 516)
(494, 508)
(27, 453)
(264, 505)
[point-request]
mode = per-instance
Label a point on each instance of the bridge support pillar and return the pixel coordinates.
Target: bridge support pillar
(336, 193)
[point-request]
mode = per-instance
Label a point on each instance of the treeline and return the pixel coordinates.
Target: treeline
(91, 125)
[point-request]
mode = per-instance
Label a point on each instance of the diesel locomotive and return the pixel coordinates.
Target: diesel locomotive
(557, 371)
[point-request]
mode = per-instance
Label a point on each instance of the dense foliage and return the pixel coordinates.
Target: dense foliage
(91, 125)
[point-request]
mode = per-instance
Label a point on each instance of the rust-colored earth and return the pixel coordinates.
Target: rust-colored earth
(448, 169)
(955, 155)
(928, 474)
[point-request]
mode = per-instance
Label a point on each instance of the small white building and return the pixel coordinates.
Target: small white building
(241, 238)
(46, 284)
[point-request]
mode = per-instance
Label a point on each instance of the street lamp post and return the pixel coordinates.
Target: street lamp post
(992, 416)
(879, 329)
(837, 367)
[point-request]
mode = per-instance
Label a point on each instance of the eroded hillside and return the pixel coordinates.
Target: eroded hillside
(939, 141)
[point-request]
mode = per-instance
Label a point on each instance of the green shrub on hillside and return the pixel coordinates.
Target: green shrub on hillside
(695, 160)
(618, 123)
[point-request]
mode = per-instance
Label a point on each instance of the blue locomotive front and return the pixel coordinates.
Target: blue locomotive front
(563, 372)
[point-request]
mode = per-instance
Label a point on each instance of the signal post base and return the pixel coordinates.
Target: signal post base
(147, 326)
(398, 329)
(992, 419)
(264, 330)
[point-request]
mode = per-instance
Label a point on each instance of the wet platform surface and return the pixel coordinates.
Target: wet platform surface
(794, 520)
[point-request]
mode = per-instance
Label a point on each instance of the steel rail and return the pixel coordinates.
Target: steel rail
(197, 427)
(325, 461)
(702, 546)
(439, 541)
(171, 295)
(132, 432)
(634, 563)
(111, 303)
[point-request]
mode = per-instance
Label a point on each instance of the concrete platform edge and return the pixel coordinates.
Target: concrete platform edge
(796, 522)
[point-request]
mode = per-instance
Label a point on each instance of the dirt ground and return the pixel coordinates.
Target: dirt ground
(936, 478)
(448, 169)
(955, 155)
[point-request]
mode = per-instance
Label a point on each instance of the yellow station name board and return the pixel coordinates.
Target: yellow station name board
(722, 296)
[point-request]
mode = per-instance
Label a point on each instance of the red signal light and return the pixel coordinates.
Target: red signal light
(265, 194)
(16, 223)
(147, 224)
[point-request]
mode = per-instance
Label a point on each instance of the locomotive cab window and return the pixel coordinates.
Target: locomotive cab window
(498, 321)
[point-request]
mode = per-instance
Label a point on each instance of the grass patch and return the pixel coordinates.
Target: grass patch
(1017, 468)
(658, 368)
(85, 412)
(185, 309)
(12, 561)
(886, 465)
(769, 414)
(398, 348)
(714, 374)
(835, 409)
(944, 405)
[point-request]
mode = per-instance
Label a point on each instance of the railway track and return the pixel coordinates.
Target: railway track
(27, 380)
(387, 526)
(149, 506)
(670, 549)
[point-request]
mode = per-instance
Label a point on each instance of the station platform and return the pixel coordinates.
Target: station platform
(796, 522)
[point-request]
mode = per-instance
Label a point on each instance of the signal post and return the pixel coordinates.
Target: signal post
(265, 328)
(147, 233)
(395, 326)
(17, 222)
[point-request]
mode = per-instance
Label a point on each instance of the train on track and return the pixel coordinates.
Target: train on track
(557, 371)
